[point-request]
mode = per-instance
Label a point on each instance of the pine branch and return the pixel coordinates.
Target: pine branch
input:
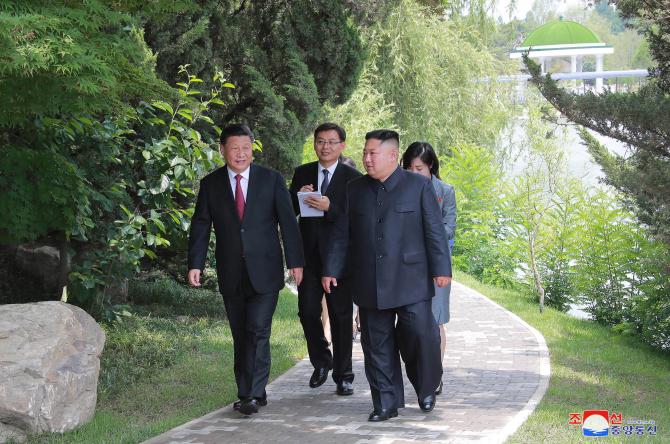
(640, 119)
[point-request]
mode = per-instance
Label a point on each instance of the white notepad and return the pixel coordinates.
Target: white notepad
(306, 210)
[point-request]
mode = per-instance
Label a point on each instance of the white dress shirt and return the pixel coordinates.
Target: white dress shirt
(244, 182)
(319, 174)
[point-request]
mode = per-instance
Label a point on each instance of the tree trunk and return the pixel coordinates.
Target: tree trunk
(116, 290)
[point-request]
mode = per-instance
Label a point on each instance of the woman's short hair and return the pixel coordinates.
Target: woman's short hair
(425, 152)
(348, 161)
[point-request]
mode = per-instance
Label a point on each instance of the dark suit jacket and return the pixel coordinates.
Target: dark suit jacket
(395, 239)
(317, 231)
(268, 205)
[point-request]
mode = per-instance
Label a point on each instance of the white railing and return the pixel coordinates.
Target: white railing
(587, 75)
(583, 82)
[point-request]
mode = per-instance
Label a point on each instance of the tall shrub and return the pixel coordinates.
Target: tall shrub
(482, 245)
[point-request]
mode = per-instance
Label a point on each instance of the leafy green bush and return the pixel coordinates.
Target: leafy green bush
(610, 244)
(482, 244)
(42, 192)
(118, 190)
(651, 312)
(589, 247)
(149, 204)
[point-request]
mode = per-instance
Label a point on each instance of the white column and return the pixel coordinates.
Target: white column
(542, 67)
(573, 69)
(599, 68)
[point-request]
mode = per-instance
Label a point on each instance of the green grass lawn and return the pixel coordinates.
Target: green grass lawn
(591, 368)
(172, 362)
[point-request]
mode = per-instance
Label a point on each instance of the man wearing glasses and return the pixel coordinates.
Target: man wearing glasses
(329, 177)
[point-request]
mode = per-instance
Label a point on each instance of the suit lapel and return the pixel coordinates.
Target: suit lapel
(335, 180)
(227, 192)
(312, 174)
(252, 191)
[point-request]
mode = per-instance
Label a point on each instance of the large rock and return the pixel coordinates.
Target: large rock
(49, 365)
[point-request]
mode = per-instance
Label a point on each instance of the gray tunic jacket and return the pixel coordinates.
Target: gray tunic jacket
(446, 198)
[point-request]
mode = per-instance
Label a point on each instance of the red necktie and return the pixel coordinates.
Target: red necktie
(239, 197)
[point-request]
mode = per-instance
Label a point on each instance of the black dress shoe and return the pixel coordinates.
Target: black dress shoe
(382, 415)
(428, 403)
(262, 402)
(345, 388)
(318, 377)
(439, 389)
(248, 407)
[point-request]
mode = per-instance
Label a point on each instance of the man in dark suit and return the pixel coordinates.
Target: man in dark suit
(329, 176)
(246, 203)
(393, 243)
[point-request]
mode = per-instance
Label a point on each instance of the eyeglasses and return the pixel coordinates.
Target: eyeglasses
(321, 143)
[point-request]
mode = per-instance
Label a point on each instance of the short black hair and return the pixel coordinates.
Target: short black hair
(383, 135)
(341, 133)
(236, 129)
(426, 153)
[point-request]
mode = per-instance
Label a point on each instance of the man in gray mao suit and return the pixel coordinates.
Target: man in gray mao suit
(392, 241)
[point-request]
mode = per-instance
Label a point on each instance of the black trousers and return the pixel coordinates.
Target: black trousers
(250, 318)
(340, 312)
(409, 331)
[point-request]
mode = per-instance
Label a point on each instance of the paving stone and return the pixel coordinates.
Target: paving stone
(496, 371)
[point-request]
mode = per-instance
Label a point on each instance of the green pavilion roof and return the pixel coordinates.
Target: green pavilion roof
(561, 32)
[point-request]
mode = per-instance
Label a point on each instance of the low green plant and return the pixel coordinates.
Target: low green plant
(160, 295)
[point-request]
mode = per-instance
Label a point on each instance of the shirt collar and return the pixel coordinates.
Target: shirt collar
(244, 174)
(393, 179)
(330, 169)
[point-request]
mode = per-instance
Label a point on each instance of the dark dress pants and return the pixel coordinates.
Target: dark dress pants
(409, 331)
(250, 318)
(340, 312)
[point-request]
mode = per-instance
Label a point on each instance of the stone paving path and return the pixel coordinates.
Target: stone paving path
(496, 371)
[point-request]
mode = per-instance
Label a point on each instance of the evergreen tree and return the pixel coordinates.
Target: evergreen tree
(651, 18)
(287, 59)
